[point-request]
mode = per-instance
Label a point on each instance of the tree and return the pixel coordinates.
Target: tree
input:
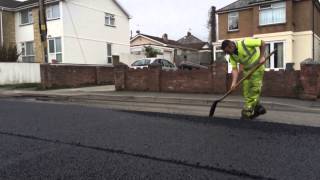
(151, 52)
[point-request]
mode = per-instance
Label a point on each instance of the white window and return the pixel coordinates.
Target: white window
(272, 13)
(53, 12)
(233, 21)
(26, 17)
(27, 51)
(277, 60)
(109, 19)
(109, 53)
(55, 48)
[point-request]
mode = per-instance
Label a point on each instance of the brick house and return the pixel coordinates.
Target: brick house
(172, 50)
(79, 31)
(290, 26)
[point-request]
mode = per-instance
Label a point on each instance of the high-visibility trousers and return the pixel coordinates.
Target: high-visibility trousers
(252, 89)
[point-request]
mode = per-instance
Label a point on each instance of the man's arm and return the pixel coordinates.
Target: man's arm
(262, 52)
(235, 75)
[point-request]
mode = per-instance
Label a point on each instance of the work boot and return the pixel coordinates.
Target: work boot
(247, 114)
(259, 110)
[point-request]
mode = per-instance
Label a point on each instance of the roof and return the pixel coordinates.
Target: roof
(189, 39)
(244, 4)
(173, 43)
(12, 4)
(198, 46)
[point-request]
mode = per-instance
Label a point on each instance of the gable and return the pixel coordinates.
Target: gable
(144, 41)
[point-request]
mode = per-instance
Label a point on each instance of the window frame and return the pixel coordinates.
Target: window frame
(109, 54)
(230, 16)
(272, 7)
(272, 58)
(54, 39)
(24, 51)
(30, 17)
(111, 20)
(52, 7)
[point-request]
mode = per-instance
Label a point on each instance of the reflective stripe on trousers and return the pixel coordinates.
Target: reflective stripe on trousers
(252, 88)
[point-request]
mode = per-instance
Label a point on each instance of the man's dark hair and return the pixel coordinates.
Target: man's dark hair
(225, 43)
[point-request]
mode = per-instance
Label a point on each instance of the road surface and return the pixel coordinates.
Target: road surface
(62, 141)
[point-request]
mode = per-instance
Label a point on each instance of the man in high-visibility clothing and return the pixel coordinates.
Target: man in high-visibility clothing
(248, 53)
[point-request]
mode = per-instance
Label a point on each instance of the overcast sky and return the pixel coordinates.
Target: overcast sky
(174, 17)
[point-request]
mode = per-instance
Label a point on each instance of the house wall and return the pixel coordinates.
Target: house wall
(297, 46)
(302, 18)
(317, 48)
(86, 35)
(143, 41)
(9, 36)
(17, 73)
(30, 32)
(245, 25)
(298, 18)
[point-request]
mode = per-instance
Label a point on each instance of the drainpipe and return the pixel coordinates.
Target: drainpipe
(1, 19)
(313, 33)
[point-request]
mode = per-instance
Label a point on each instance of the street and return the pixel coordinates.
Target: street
(42, 140)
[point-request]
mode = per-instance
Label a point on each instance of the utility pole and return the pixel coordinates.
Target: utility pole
(43, 29)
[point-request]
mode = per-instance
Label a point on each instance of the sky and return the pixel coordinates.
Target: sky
(174, 17)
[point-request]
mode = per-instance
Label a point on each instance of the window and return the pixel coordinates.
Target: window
(109, 53)
(109, 20)
(55, 48)
(233, 21)
(53, 12)
(26, 17)
(27, 51)
(276, 61)
(272, 13)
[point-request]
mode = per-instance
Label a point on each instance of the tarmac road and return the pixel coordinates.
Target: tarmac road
(62, 141)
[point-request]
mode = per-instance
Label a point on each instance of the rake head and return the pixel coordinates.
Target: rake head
(213, 108)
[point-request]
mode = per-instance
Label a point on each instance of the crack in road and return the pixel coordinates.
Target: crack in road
(144, 156)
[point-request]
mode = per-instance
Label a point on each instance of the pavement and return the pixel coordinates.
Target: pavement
(280, 110)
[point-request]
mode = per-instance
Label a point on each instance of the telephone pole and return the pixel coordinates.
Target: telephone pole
(43, 29)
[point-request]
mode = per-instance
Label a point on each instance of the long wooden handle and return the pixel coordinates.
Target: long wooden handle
(247, 76)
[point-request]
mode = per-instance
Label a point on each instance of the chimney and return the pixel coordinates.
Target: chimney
(165, 37)
(213, 25)
(188, 34)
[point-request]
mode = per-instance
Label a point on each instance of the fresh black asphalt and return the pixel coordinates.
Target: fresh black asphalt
(54, 141)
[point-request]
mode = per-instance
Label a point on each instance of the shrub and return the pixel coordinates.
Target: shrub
(9, 54)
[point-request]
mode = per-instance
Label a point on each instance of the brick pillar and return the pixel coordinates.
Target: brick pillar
(154, 81)
(310, 80)
(38, 49)
(120, 71)
(9, 34)
(219, 77)
(45, 72)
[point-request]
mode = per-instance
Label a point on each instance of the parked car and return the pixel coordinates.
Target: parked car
(190, 65)
(142, 63)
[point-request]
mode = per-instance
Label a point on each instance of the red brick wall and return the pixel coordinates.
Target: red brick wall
(57, 76)
(310, 80)
(290, 84)
(194, 81)
(154, 79)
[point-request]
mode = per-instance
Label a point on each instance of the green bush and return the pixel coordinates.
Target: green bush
(9, 54)
(150, 52)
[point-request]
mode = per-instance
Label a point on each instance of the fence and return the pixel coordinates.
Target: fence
(19, 73)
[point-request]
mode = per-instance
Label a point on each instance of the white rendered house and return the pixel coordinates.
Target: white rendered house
(79, 31)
